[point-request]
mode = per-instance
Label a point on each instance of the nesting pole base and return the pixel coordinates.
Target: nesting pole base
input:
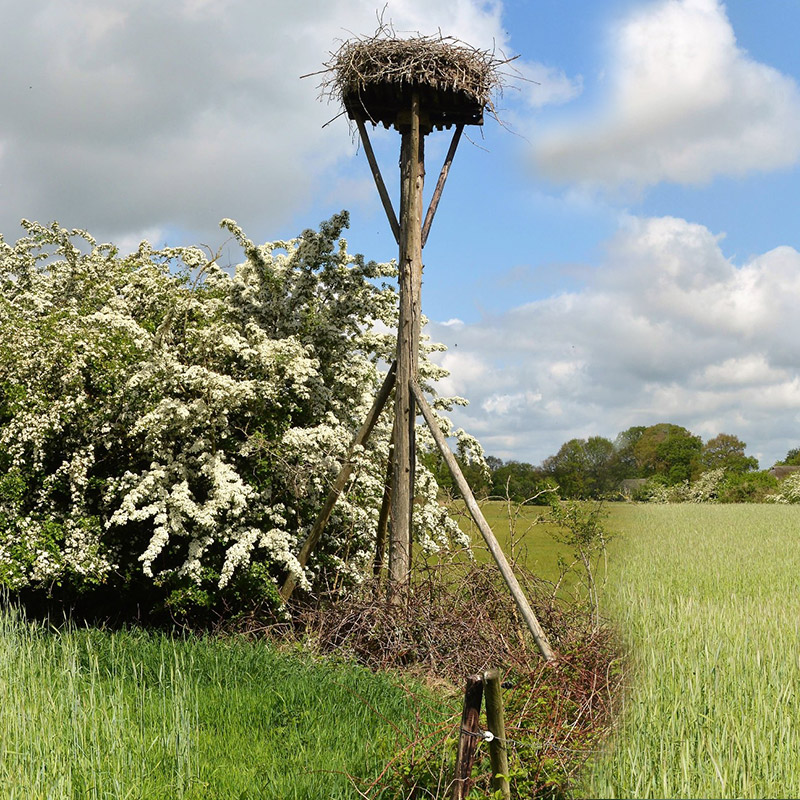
(415, 85)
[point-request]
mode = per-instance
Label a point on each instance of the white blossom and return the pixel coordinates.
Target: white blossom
(160, 412)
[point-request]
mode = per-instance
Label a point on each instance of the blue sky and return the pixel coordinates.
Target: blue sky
(624, 251)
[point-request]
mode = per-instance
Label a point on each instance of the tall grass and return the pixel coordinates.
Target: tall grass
(707, 597)
(96, 714)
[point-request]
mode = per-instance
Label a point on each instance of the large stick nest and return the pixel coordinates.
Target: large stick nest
(374, 77)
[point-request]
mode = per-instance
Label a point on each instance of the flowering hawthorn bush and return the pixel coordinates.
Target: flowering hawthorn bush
(789, 491)
(706, 489)
(166, 419)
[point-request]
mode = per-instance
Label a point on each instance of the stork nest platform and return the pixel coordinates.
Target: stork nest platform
(373, 78)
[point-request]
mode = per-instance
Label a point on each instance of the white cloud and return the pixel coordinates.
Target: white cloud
(668, 329)
(517, 402)
(175, 115)
(685, 104)
(544, 85)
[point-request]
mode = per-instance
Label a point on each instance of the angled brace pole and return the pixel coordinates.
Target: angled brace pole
(341, 479)
(384, 514)
(376, 173)
(437, 192)
(505, 568)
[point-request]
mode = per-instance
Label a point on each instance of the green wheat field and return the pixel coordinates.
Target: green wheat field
(708, 600)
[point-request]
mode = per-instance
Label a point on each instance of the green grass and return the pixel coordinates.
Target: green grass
(707, 597)
(518, 533)
(129, 714)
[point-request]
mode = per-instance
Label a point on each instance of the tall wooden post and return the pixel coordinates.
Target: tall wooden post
(412, 172)
(495, 722)
(396, 99)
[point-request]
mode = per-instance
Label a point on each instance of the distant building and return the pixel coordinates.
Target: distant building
(780, 471)
(630, 486)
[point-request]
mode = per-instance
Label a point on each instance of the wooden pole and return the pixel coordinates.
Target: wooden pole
(410, 280)
(341, 479)
(468, 737)
(437, 192)
(469, 499)
(495, 722)
(383, 516)
(376, 174)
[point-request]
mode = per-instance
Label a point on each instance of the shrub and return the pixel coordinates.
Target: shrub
(748, 487)
(788, 490)
(459, 621)
(166, 422)
(706, 489)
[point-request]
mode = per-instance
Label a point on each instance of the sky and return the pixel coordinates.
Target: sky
(621, 248)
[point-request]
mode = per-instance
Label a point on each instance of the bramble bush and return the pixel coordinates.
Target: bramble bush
(167, 422)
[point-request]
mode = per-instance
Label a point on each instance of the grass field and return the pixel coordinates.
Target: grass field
(96, 714)
(707, 599)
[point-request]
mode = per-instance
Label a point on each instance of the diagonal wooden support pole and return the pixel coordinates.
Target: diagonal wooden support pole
(384, 514)
(483, 526)
(437, 192)
(341, 479)
(376, 174)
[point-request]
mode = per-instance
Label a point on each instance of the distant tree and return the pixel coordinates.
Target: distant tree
(518, 480)
(582, 467)
(471, 469)
(599, 460)
(476, 476)
(493, 463)
(668, 450)
(624, 464)
(727, 451)
(792, 458)
(568, 468)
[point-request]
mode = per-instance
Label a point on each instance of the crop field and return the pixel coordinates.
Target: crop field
(707, 598)
(707, 601)
(521, 536)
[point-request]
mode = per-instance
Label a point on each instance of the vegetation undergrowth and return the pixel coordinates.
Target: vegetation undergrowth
(458, 619)
(347, 695)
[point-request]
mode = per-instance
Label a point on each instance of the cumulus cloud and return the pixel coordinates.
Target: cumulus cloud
(135, 116)
(668, 329)
(545, 85)
(685, 104)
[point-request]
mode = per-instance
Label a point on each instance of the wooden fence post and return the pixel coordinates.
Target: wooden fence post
(495, 722)
(468, 737)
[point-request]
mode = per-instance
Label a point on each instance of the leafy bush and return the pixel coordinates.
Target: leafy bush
(748, 487)
(167, 422)
(706, 489)
(460, 621)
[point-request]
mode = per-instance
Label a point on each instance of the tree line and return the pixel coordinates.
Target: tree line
(663, 454)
